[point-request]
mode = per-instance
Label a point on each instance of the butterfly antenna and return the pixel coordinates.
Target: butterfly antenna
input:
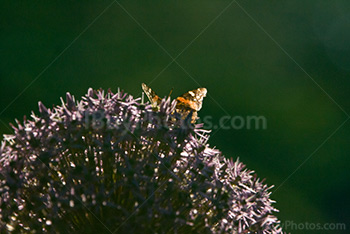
(170, 92)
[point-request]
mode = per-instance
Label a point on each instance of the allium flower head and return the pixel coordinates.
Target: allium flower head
(111, 164)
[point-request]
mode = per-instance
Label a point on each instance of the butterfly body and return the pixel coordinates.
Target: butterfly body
(186, 103)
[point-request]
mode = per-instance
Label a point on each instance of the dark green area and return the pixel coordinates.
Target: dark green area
(293, 68)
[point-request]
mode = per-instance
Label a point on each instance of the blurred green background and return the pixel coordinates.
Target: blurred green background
(255, 58)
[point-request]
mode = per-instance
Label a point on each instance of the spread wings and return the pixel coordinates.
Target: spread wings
(189, 102)
(192, 99)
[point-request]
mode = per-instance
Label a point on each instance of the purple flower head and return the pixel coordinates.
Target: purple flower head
(111, 164)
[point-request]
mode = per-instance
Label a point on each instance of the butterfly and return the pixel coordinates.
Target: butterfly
(186, 103)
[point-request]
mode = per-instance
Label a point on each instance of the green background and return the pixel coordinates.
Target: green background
(285, 60)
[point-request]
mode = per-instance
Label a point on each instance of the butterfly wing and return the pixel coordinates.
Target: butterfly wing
(152, 96)
(191, 102)
(193, 99)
